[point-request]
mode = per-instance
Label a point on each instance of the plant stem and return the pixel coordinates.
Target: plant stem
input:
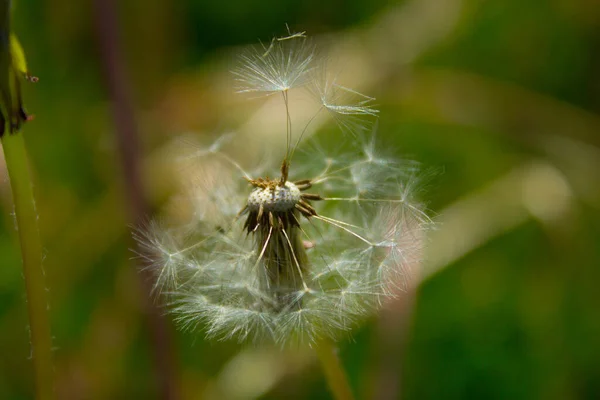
(334, 372)
(117, 84)
(31, 251)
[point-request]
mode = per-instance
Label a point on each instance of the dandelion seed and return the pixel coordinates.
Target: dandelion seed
(283, 65)
(305, 255)
(346, 106)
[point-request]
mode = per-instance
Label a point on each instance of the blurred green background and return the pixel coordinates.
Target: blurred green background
(503, 96)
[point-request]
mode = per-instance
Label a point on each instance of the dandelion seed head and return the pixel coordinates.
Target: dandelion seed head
(307, 255)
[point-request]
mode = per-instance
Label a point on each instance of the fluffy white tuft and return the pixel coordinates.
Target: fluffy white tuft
(362, 244)
(362, 247)
(282, 65)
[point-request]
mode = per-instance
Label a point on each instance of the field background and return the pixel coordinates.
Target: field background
(501, 97)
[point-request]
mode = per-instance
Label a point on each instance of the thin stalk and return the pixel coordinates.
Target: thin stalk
(334, 372)
(117, 83)
(31, 251)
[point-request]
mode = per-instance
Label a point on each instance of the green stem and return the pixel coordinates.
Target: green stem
(334, 372)
(31, 251)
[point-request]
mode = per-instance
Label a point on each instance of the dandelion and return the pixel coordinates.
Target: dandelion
(302, 257)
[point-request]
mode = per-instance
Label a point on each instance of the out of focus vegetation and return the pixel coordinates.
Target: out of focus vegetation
(503, 96)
